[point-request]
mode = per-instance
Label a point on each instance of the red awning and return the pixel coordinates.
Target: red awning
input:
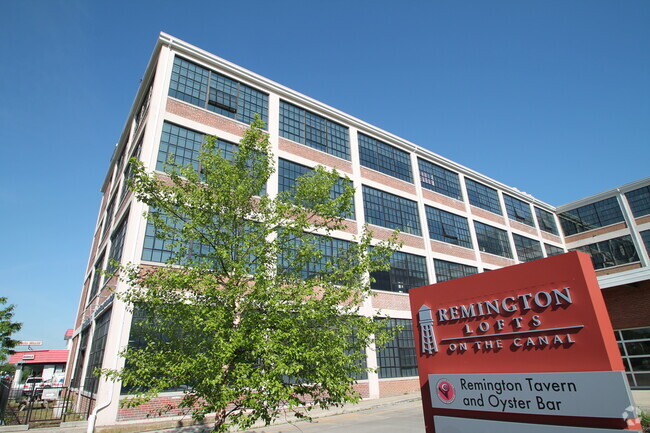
(39, 357)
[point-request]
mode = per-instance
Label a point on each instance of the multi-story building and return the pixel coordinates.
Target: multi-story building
(453, 220)
(614, 228)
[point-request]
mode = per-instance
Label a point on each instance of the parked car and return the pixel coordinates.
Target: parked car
(33, 385)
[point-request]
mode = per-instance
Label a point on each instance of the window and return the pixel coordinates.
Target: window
(406, 272)
(492, 240)
(483, 196)
(518, 210)
(391, 211)
(81, 358)
(117, 245)
(144, 107)
(634, 345)
(314, 131)
(184, 145)
(439, 179)
(398, 358)
(552, 250)
(215, 92)
(591, 216)
(446, 271)
(384, 158)
(612, 252)
(290, 171)
(110, 209)
(546, 221)
(447, 227)
(318, 253)
(96, 355)
(156, 248)
(97, 278)
(645, 235)
(639, 201)
(128, 171)
(527, 249)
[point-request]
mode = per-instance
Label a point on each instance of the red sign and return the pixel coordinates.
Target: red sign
(545, 316)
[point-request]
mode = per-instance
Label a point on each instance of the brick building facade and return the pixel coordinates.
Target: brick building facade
(453, 220)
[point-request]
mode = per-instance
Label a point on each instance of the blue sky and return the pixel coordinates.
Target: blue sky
(552, 97)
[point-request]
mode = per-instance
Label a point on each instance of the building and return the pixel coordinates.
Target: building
(614, 228)
(454, 221)
(46, 364)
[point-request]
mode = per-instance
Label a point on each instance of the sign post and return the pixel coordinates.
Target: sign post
(530, 344)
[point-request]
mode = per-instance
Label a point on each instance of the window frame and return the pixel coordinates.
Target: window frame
(403, 215)
(483, 196)
(384, 158)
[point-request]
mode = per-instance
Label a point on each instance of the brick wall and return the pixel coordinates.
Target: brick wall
(487, 215)
(437, 198)
(496, 260)
(593, 233)
(389, 388)
(205, 117)
(391, 301)
(523, 227)
(159, 407)
(642, 220)
(628, 306)
(617, 269)
(551, 237)
(315, 155)
(452, 250)
(387, 180)
(363, 389)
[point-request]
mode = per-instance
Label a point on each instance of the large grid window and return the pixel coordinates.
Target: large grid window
(527, 249)
(290, 171)
(407, 271)
(639, 201)
(446, 271)
(546, 221)
(96, 355)
(483, 196)
(330, 250)
(184, 146)
(591, 216)
(612, 252)
(314, 131)
(448, 227)
(518, 210)
(110, 209)
(384, 158)
(398, 358)
(117, 245)
(156, 248)
(391, 211)
(439, 179)
(634, 345)
(81, 358)
(645, 235)
(128, 171)
(97, 277)
(215, 92)
(552, 250)
(492, 240)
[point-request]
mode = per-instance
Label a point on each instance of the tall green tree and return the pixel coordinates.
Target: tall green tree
(7, 328)
(258, 312)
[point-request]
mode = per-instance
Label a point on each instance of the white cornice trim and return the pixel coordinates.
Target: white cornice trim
(605, 194)
(622, 278)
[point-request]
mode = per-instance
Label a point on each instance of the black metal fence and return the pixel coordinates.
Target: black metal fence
(42, 406)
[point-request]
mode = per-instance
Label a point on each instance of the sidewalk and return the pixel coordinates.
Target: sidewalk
(315, 413)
